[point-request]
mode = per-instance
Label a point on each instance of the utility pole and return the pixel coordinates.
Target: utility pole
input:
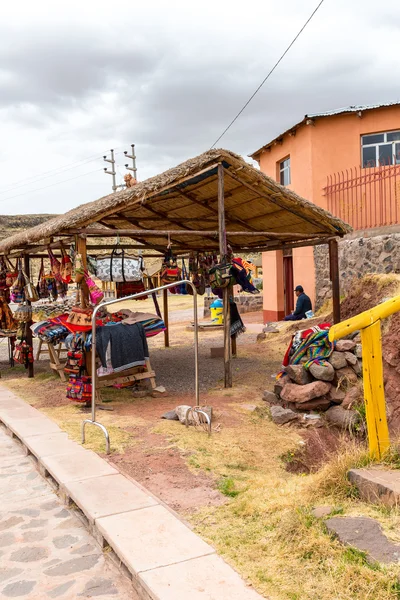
(112, 172)
(133, 157)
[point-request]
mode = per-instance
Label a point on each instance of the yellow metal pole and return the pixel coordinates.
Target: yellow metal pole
(374, 395)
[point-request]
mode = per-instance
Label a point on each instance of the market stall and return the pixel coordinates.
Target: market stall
(205, 212)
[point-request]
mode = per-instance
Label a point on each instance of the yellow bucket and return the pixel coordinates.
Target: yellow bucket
(217, 315)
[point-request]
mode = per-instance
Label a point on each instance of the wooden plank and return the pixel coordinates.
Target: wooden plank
(102, 383)
(334, 273)
(29, 336)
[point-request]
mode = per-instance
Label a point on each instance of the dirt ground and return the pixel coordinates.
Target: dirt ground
(152, 460)
(250, 487)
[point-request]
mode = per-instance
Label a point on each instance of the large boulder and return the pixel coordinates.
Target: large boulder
(353, 396)
(292, 392)
(336, 395)
(298, 374)
(324, 372)
(345, 345)
(338, 360)
(342, 418)
(280, 415)
(316, 404)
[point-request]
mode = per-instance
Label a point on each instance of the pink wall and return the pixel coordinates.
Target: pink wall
(273, 298)
(328, 145)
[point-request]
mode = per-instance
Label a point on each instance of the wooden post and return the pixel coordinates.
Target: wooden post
(233, 337)
(165, 308)
(334, 274)
(223, 250)
(29, 339)
(81, 249)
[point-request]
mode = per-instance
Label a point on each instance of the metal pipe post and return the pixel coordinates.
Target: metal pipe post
(93, 421)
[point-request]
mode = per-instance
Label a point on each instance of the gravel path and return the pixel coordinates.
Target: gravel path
(45, 550)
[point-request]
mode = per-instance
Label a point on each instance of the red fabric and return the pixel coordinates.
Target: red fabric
(63, 320)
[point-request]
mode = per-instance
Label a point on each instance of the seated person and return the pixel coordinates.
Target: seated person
(303, 305)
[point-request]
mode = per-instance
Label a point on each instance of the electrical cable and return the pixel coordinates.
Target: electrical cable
(53, 172)
(51, 185)
(269, 74)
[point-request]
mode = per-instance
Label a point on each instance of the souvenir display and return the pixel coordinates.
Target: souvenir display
(119, 267)
(170, 271)
(66, 267)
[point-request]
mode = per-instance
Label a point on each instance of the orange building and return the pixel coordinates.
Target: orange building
(346, 161)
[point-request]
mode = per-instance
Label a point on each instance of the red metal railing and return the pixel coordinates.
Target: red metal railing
(367, 197)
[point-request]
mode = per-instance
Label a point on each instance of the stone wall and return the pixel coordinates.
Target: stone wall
(358, 256)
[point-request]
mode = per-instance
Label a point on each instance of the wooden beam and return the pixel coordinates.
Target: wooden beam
(272, 198)
(28, 329)
(223, 250)
(196, 232)
(81, 249)
(334, 273)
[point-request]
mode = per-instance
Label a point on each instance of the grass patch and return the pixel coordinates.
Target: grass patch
(267, 529)
(227, 486)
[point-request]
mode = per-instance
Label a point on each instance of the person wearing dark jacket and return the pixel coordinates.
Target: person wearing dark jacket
(303, 305)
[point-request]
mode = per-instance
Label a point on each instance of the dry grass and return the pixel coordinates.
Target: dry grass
(267, 531)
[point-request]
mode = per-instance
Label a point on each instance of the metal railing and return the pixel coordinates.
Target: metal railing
(93, 421)
(365, 197)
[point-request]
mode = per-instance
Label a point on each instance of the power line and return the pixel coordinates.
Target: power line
(51, 172)
(51, 185)
(269, 74)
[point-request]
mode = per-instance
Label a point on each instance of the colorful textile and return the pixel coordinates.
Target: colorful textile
(312, 343)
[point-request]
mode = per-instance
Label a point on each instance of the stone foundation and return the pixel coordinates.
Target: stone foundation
(358, 256)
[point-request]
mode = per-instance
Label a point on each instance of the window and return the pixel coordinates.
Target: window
(380, 149)
(284, 171)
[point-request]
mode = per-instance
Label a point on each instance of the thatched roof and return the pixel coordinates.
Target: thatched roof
(185, 198)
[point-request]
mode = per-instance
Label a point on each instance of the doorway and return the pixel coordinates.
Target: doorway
(288, 282)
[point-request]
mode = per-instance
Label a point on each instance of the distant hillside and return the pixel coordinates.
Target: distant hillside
(10, 224)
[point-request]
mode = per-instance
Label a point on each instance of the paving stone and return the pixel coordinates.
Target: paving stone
(63, 514)
(36, 426)
(29, 512)
(50, 443)
(75, 565)
(80, 464)
(366, 535)
(65, 541)
(82, 550)
(151, 537)
(60, 589)
(203, 578)
(34, 536)
(9, 573)
(10, 522)
(6, 538)
(377, 485)
(35, 523)
(18, 589)
(108, 495)
(29, 554)
(99, 587)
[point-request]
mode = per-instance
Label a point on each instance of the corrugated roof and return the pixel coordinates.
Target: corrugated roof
(330, 113)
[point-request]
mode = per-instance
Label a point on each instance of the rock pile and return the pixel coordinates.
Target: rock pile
(331, 387)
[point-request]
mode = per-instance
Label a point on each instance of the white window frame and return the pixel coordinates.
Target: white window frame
(285, 168)
(377, 144)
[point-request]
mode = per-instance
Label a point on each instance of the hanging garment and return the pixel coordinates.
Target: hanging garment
(128, 345)
(239, 272)
(237, 325)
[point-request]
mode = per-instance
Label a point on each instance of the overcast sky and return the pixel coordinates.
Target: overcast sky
(81, 77)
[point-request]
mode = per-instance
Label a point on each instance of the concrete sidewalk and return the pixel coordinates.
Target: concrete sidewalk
(164, 558)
